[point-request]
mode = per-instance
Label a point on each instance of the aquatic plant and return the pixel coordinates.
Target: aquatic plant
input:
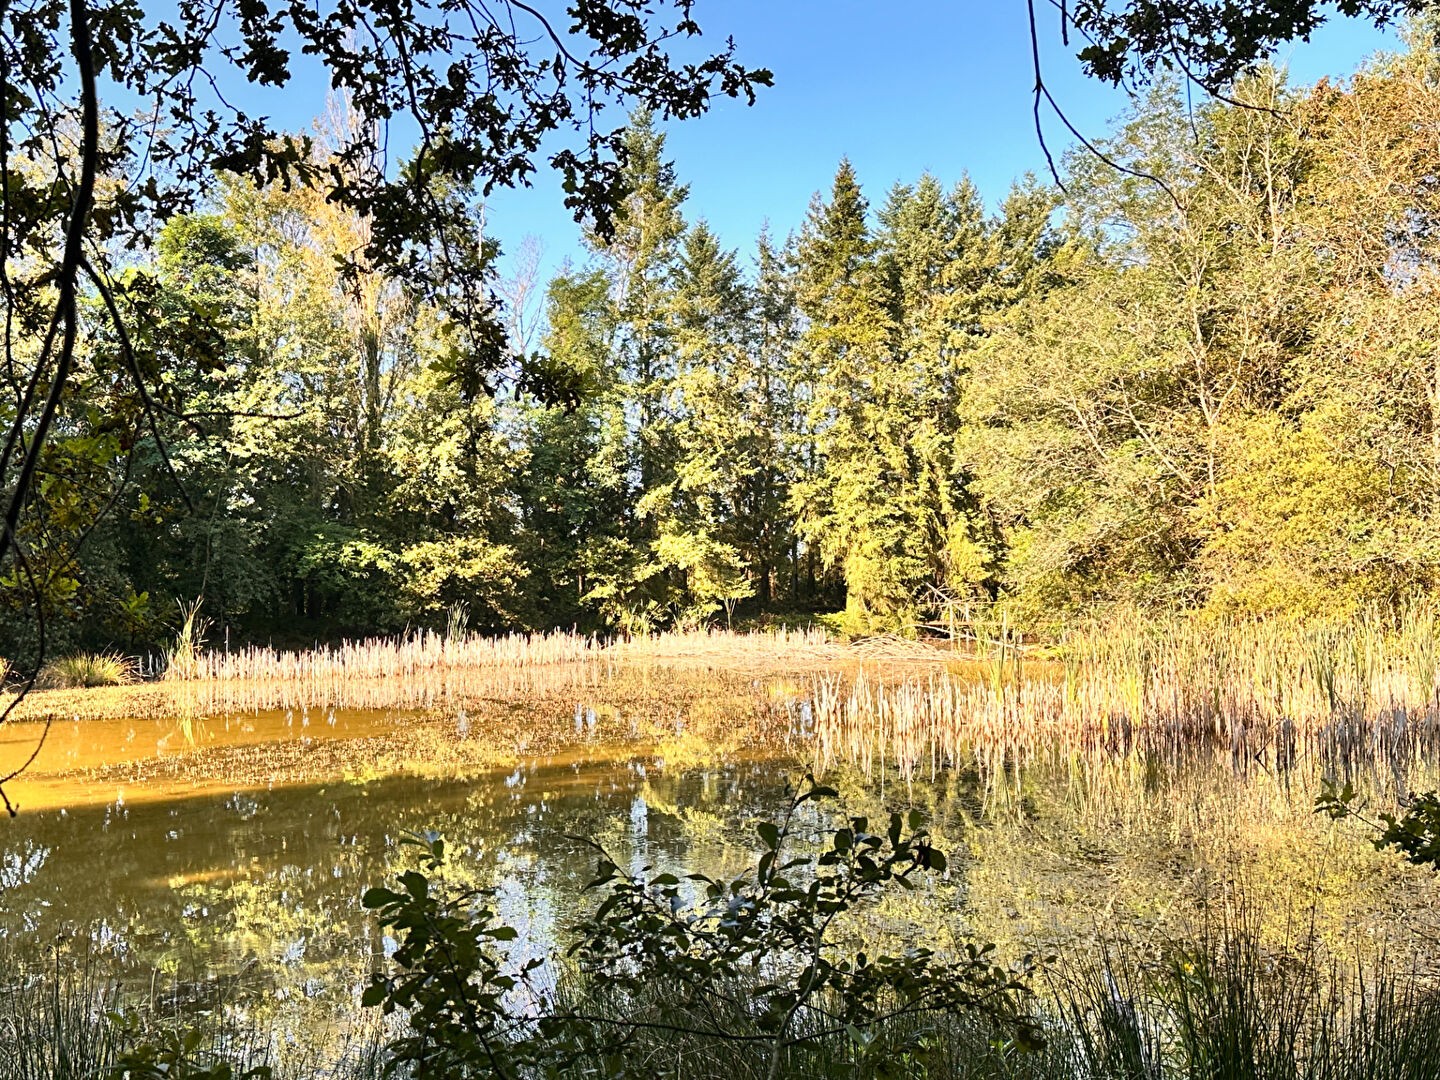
(56, 1023)
(182, 659)
(1350, 693)
(427, 669)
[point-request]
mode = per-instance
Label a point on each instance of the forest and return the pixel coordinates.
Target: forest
(957, 631)
(1206, 379)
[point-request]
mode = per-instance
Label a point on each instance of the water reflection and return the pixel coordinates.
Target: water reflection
(254, 895)
(222, 860)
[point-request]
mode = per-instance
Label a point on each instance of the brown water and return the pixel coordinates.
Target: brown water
(250, 894)
(70, 769)
(222, 860)
(225, 857)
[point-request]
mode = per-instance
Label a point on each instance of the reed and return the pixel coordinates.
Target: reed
(182, 659)
(1348, 695)
(1225, 1005)
(428, 670)
(67, 1021)
(57, 1023)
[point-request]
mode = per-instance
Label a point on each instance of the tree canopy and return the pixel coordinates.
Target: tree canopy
(1212, 42)
(1217, 393)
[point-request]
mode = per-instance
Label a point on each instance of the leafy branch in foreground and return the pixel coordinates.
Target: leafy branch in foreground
(759, 967)
(1415, 833)
(178, 1055)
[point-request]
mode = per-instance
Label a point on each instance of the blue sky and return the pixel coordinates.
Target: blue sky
(898, 87)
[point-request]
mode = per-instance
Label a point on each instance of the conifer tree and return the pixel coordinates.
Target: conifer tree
(847, 501)
(641, 260)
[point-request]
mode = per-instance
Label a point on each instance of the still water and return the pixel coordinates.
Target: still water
(248, 894)
(220, 862)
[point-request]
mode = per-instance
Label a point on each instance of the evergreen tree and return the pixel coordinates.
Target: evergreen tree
(848, 501)
(575, 491)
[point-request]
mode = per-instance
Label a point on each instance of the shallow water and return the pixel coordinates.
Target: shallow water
(221, 861)
(252, 896)
(69, 752)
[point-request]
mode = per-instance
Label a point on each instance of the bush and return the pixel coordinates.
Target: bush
(741, 977)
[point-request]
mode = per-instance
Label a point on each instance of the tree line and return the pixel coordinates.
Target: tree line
(1208, 377)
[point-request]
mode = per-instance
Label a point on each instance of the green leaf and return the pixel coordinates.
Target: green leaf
(373, 995)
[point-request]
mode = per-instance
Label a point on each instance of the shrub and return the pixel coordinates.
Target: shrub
(748, 976)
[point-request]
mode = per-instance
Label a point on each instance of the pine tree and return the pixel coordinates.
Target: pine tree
(641, 260)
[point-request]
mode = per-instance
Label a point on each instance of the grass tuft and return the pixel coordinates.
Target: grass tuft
(86, 670)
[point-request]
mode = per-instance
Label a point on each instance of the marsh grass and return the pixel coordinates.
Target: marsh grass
(69, 1022)
(1222, 1004)
(182, 659)
(426, 651)
(87, 671)
(57, 1024)
(1216, 1005)
(428, 670)
(1266, 693)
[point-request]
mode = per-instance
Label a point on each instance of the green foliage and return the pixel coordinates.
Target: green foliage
(180, 1056)
(1223, 397)
(450, 982)
(759, 967)
(1414, 833)
(1211, 41)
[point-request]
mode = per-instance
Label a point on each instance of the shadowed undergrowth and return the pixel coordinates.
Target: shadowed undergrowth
(1216, 1007)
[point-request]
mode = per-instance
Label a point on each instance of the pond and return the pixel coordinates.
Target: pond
(221, 859)
(218, 860)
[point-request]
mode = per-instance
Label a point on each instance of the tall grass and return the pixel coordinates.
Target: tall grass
(415, 654)
(69, 1023)
(1224, 1006)
(57, 1024)
(84, 670)
(182, 659)
(1348, 694)
(427, 669)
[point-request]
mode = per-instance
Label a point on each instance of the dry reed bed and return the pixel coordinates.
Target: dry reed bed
(1347, 695)
(430, 670)
(427, 651)
(324, 688)
(400, 657)
(390, 658)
